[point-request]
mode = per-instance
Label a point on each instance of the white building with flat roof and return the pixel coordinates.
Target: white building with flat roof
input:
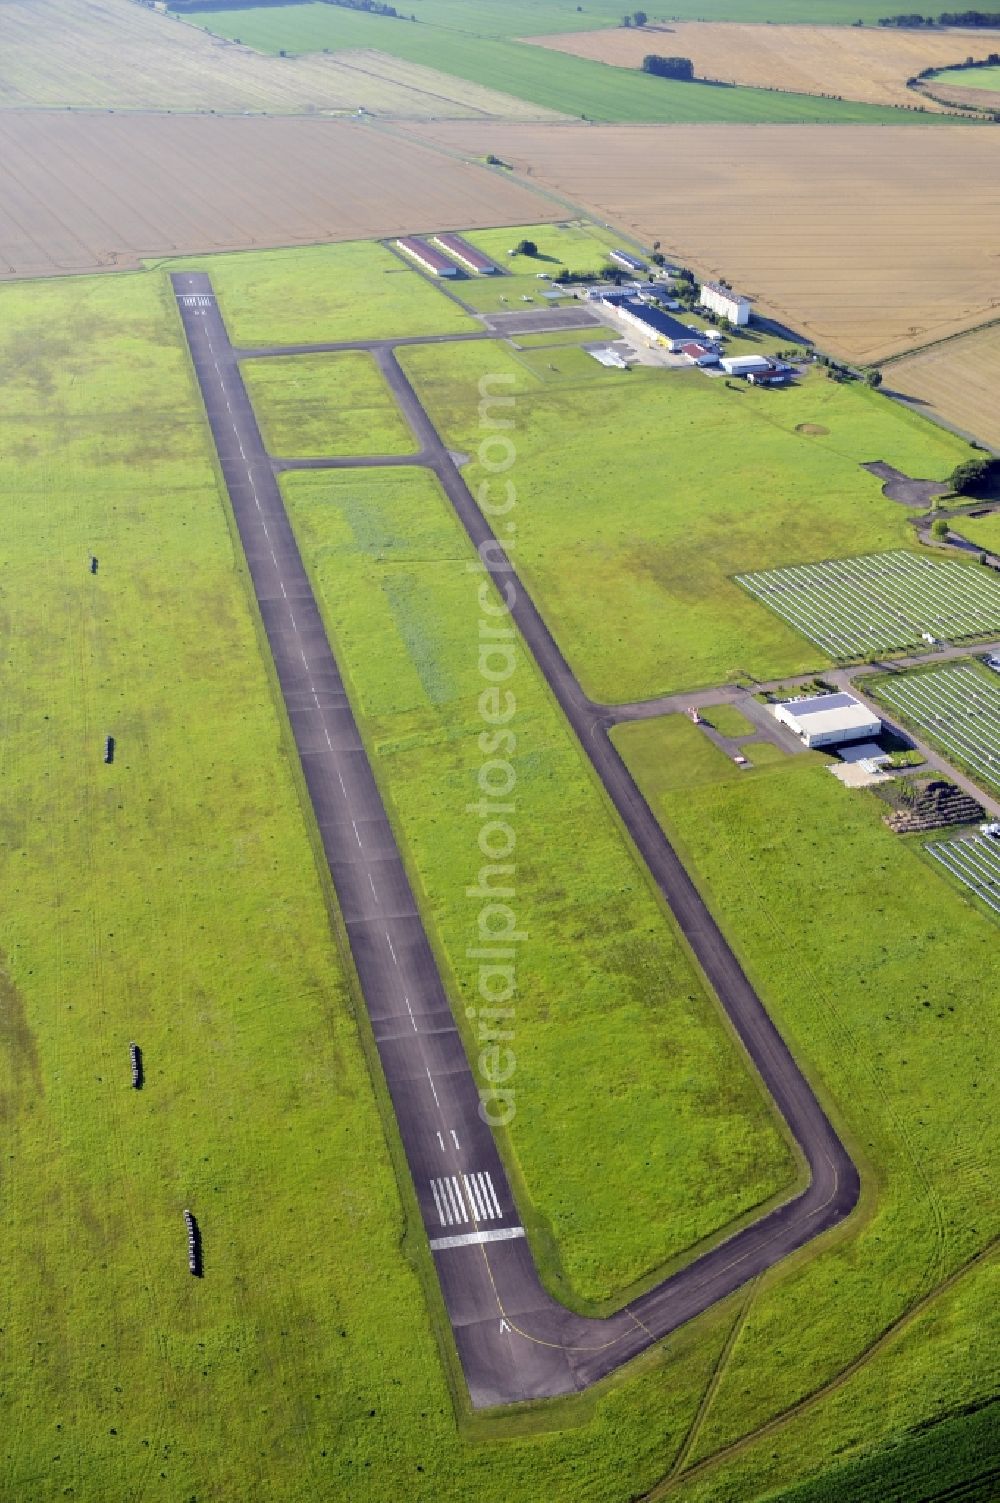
(829, 719)
(725, 302)
(743, 365)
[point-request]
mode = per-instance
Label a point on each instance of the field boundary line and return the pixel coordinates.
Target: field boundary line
(801, 1406)
(933, 344)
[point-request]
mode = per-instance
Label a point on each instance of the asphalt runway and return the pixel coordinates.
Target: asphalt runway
(515, 1341)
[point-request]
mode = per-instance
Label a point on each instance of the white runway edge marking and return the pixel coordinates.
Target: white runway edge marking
(477, 1203)
(469, 1239)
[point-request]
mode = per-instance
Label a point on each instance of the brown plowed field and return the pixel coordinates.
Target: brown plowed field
(958, 381)
(95, 54)
(857, 62)
(869, 239)
(78, 192)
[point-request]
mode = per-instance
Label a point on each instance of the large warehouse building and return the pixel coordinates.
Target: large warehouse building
(829, 719)
(655, 326)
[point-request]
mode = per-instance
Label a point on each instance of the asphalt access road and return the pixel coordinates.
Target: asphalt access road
(515, 1341)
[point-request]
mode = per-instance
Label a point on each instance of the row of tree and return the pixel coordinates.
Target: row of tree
(373, 7)
(974, 18)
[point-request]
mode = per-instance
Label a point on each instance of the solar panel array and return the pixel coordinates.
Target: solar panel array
(959, 708)
(880, 602)
(975, 862)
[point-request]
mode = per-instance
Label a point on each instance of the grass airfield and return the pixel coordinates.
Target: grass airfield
(630, 541)
(172, 898)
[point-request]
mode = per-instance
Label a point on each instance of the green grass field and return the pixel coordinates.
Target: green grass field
(960, 1450)
(326, 404)
(983, 531)
(576, 245)
(879, 982)
(514, 18)
(324, 293)
(615, 1039)
(642, 495)
(565, 338)
(173, 899)
(968, 78)
(557, 81)
(505, 294)
(728, 720)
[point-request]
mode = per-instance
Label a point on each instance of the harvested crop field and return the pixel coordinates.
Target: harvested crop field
(855, 62)
(958, 381)
(858, 237)
(94, 54)
(82, 192)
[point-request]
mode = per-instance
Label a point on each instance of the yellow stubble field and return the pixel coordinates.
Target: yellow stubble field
(958, 381)
(81, 192)
(867, 239)
(856, 62)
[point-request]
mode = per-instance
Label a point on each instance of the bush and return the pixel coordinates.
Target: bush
(940, 529)
(974, 477)
(526, 248)
(668, 67)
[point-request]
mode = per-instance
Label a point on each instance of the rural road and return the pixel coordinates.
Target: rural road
(514, 1340)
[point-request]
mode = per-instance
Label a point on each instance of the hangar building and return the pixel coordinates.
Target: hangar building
(829, 719)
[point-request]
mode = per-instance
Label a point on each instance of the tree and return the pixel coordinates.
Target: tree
(940, 529)
(526, 248)
(639, 18)
(975, 476)
(668, 67)
(873, 379)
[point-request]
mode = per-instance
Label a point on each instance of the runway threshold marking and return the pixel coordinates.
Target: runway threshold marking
(471, 1239)
(461, 1198)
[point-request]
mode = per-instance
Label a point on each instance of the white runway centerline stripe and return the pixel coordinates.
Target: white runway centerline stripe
(469, 1239)
(477, 1202)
